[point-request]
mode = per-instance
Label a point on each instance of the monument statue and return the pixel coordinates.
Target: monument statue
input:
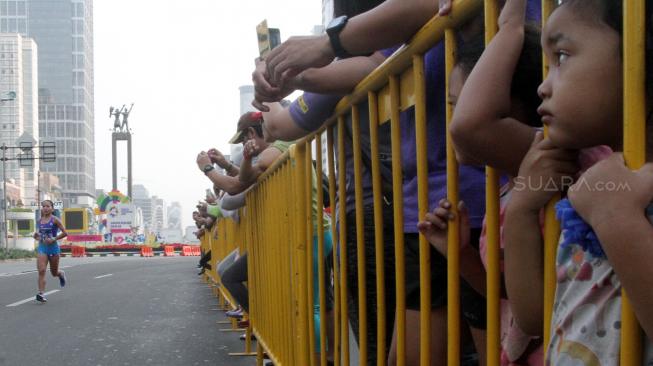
(118, 125)
(116, 113)
(125, 114)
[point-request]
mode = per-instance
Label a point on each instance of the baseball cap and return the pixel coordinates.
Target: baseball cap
(247, 120)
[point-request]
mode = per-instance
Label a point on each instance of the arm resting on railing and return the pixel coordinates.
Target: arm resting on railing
(484, 117)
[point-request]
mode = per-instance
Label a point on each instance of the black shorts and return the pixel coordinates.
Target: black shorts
(473, 304)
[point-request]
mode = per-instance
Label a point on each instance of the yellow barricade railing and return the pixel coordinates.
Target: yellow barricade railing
(277, 226)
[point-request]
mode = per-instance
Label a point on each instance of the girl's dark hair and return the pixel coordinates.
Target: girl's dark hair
(528, 73)
(51, 203)
(352, 8)
(610, 12)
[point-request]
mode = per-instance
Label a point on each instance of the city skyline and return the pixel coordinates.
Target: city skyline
(63, 33)
(183, 72)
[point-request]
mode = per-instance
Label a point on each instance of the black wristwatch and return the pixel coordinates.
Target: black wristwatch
(333, 31)
(207, 168)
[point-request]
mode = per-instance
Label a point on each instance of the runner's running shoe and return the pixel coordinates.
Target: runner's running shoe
(62, 278)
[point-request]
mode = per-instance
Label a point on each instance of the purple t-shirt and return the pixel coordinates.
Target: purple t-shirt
(309, 112)
(471, 179)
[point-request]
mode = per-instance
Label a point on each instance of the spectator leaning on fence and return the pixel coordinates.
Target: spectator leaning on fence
(307, 114)
(260, 155)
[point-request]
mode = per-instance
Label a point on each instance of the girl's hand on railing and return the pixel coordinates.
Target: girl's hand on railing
(621, 192)
(435, 225)
(545, 171)
(444, 7)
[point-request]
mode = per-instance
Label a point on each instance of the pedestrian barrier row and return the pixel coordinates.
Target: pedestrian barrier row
(221, 240)
(189, 251)
(147, 252)
(168, 251)
(276, 227)
(77, 251)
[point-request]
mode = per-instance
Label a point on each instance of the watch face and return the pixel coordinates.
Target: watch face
(336, 24)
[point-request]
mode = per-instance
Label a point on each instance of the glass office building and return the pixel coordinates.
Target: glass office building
(63, 32)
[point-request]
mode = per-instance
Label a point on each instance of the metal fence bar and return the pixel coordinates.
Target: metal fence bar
(423, 199)
(378, 230)
(360, 239)
(634, 53)
(320, 250)
(551, 224)
(336, 245)
(493, 226)
(453, 240)
(342, 238)
(398, 205)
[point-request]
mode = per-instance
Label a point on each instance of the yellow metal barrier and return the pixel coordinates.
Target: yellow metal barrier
(277, 224)
(493, 230)
(634, 96)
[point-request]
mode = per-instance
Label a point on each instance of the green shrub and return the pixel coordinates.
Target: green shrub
(16, 253)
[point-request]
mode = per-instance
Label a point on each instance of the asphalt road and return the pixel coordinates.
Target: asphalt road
(114, 311)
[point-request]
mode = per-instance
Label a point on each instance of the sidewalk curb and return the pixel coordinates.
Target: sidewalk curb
(156, 254)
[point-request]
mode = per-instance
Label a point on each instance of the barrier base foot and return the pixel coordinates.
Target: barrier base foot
(243, 354)
(224, 322)
(233, 330)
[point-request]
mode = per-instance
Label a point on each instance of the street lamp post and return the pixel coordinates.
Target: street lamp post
(8, 97)
(26, 158)
(5, 228)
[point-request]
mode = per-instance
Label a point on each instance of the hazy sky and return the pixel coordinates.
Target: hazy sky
(181, 63)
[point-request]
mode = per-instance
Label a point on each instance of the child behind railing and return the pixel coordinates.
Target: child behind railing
(497, 103)
(583, 107)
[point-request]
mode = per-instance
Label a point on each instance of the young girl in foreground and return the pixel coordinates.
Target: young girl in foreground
(583, 107)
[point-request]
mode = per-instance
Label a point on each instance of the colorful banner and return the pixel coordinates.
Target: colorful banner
(83, 237)
(120, 217)
(105, 200)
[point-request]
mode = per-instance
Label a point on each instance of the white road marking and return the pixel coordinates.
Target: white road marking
(106, 275)
(21, 302)
(26, 272)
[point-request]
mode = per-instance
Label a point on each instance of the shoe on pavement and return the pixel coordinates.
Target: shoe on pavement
(244, 335)
(238, 313)
(62, 279)
(41, 298)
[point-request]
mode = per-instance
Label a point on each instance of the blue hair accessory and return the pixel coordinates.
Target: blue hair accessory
(576, 231)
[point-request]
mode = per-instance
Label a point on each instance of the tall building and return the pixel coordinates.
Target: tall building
(141, 199)
(327, 12)
(246, 98)
(18, 73)
(159, 214)
(63, 31)
(174, 216)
